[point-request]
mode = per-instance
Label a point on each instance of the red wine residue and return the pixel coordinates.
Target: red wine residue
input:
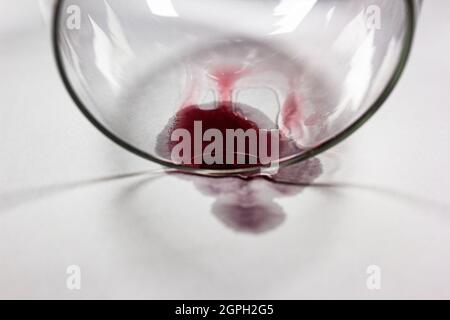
(226, 114)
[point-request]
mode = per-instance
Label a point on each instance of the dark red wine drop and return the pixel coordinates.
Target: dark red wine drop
(221, 116)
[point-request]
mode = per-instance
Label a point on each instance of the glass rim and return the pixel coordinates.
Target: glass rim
(411, 7)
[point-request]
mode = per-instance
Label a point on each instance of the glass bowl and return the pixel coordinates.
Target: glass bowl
(312, 70)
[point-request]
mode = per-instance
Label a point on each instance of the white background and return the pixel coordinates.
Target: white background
(384, 197)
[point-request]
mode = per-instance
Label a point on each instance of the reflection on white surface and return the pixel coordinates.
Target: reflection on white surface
(46, 7)
(251, 206)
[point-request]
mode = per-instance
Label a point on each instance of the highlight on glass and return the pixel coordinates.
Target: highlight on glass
(229, 87)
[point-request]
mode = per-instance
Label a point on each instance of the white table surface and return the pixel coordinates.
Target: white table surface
(383, 197)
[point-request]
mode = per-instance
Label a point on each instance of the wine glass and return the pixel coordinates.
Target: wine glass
(314, 70)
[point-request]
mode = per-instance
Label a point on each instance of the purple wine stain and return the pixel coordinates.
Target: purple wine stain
(244, 205)
(249, 205)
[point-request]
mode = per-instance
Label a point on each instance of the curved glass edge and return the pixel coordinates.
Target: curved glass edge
(413, 7)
